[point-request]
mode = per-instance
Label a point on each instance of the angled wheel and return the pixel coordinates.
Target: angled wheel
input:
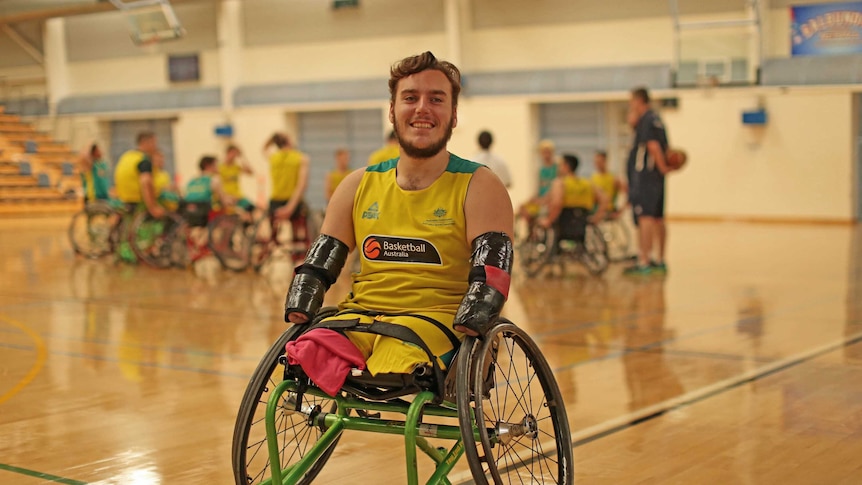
(263, 243)
(617, 238)
(90, 230)
(296, 436)
(595, 254)
(512, 399)
(151, 238)
(229, 241)
(536, 250)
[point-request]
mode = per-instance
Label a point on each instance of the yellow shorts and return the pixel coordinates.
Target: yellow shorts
(389, 355)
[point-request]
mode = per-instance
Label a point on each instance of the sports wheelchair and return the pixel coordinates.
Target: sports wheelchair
(571, 239)
(498, 401)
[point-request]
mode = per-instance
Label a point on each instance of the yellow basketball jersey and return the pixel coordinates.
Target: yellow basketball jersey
(388, 152)
(415, 256)
(606, 182)
(126, 176)
(578, 193)
(230, 179)
(89, 184)
(161, 181)
(336, 177)
(284, 172)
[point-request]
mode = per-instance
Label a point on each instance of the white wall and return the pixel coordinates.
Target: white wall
(135, 74)
(799, 166)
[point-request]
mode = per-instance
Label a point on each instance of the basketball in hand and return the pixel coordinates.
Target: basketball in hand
(676, 158)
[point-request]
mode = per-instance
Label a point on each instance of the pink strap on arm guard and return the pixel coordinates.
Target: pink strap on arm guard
(498, 279)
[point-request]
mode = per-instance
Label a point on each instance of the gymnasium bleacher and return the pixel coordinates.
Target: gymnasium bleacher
(37, 173)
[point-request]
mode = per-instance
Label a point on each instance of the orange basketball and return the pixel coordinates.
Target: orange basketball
(676, 158)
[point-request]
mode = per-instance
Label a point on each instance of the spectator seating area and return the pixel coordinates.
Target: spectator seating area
(38, 175)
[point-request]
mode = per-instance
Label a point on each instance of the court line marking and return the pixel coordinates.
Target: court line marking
(626, 421)
(41, 357)
(43, 476)
(78, 355)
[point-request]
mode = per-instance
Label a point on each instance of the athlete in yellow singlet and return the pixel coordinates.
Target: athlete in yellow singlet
(572, 200)
(389, 151)
(607, 182)
(133, 176)
(416, 221)
(288, 171)
(230, 171)
(336, 176)
(166, 193)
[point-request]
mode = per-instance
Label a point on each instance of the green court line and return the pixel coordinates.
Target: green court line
(43, 476)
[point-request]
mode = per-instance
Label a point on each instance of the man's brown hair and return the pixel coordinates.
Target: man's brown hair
(423, 62)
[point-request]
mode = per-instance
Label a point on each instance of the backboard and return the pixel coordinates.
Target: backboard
(151, 21)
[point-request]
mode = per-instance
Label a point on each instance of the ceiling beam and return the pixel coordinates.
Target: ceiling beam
(70, 11)
(23, 43)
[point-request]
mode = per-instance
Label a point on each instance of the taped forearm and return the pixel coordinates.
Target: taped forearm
(319, 271)
(489, 282)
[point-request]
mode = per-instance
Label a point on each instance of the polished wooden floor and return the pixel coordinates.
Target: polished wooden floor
(743, 365)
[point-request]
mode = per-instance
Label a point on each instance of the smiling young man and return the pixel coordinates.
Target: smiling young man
(433, 231)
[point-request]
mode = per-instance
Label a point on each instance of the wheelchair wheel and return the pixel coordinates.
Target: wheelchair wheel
(517, 407)
(262, 245)
(595, 254)
(90, 232)
(151, 238)
(296, 435)
(229, 241)
(179, 245)
(537, 249)
(617, 238)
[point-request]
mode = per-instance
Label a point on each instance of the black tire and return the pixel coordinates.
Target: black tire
(151, 238)
(537, 250)
(595, 254)
(263, 244)
(90, 232)
(518, 401)
(250, 458)
(617, 238)
(229, 241)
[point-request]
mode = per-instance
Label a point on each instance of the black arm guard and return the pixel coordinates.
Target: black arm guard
(321, 268)
(489, 282)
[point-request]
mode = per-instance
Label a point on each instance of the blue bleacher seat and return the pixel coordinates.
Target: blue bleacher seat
(30, 146)
(43, 180)
(24, 168)
(68, 169)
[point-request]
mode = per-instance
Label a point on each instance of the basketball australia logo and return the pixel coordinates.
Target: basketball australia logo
(400, 250)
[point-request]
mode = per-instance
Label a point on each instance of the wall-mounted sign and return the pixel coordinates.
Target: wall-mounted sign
(826, 29)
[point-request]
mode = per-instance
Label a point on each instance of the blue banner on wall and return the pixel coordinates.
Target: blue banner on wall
(826, 29)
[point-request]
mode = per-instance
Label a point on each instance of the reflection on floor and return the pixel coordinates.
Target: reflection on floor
(744, 359)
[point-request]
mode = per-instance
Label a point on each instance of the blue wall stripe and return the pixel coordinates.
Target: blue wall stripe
(142, 101)
(812, 70)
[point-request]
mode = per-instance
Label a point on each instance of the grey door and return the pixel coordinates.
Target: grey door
(576, 128)
(323, 132)
(124, 135)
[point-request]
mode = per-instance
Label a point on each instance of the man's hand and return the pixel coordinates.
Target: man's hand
(284, 213)
(156, 211)
(297, 318)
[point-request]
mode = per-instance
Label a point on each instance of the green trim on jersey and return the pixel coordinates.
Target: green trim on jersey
(456, 165)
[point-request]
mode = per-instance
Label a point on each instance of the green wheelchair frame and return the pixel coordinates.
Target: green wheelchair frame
(481, 433)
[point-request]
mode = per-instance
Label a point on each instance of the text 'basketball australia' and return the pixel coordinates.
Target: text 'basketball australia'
(400, 250)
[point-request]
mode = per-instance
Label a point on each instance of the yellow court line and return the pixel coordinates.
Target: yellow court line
(41, 357)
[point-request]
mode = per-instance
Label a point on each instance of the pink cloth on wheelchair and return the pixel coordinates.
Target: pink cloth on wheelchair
(326, 356)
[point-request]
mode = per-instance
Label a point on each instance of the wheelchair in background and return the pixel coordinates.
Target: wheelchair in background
(498, 402)
(572, 239)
